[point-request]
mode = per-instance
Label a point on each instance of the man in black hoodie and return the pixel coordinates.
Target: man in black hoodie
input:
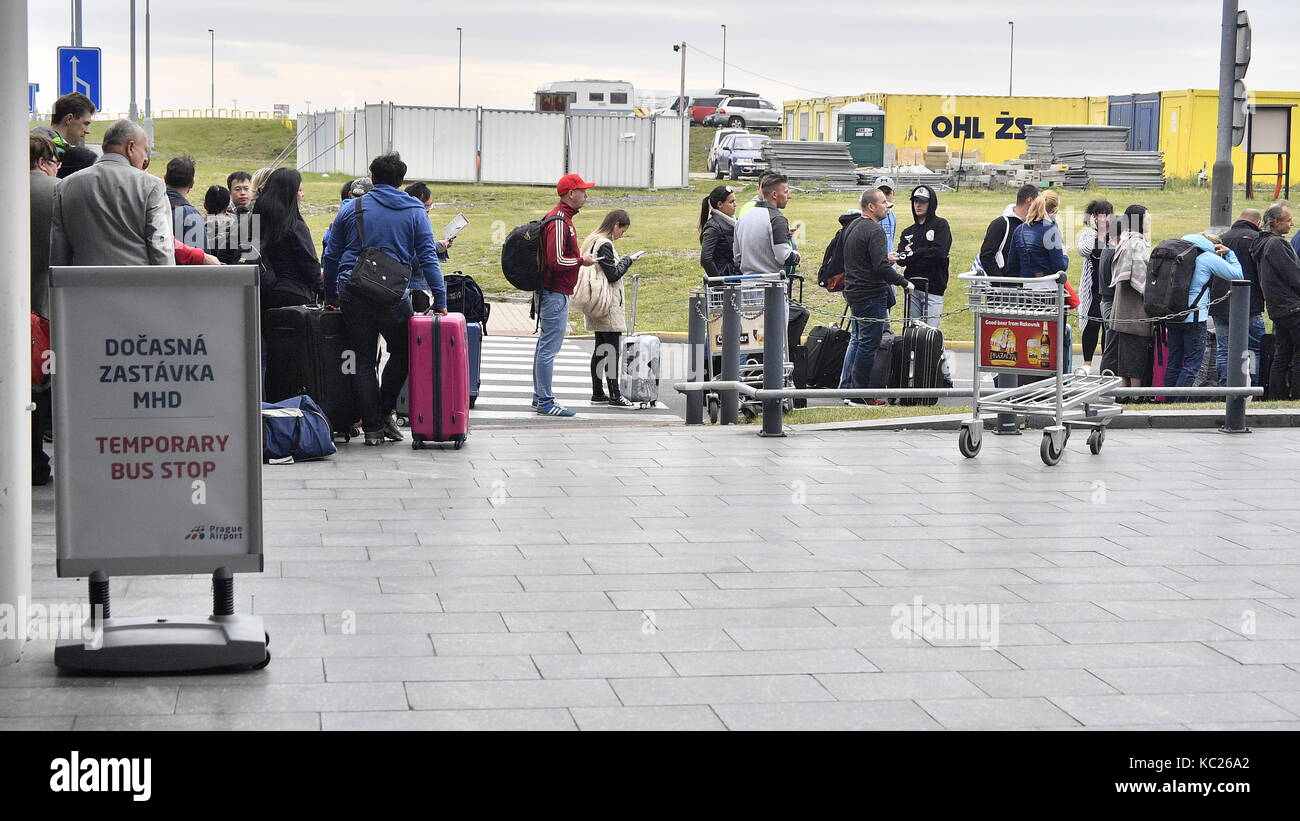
(925, 246)
(868, 275)
(1240, 237)
(1279, 273)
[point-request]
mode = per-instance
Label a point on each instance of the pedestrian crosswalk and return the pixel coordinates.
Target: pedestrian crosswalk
(506, 387)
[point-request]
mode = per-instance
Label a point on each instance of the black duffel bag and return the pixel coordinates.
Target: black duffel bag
(376, 276)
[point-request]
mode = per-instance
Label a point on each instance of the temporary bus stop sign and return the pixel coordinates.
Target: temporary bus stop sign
(158, 456)
(159, 446)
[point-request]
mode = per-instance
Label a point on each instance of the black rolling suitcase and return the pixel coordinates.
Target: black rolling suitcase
(307, 349)
(916, 356)
(1267, 348)
(827, 345)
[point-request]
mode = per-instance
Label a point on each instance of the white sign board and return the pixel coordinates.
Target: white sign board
(158, 437)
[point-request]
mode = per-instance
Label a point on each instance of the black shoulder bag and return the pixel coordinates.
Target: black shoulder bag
(376, 276)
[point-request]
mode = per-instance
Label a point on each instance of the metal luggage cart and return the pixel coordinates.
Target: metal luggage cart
(1019, 329)
(752, 313)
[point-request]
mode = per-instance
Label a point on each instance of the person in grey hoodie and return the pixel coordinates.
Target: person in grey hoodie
(1279, 273)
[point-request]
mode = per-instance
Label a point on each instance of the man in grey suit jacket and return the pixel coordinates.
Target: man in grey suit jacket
(113, 213)
(44, 165)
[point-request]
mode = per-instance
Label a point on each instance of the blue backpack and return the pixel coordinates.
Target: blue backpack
(295, 430)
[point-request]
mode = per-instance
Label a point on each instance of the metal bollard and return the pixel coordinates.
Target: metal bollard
(1234, 407)
(730, 413)
(774, 330)
(696, 339)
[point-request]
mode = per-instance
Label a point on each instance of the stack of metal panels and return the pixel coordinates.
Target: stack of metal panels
(1095, 154)
(804, 160)
(1114, 169)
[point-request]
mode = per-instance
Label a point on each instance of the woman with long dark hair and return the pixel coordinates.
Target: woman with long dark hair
(718, 232)
(599, 293)
(287, 261)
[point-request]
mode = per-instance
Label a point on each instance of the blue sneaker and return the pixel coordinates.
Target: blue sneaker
(555, 410)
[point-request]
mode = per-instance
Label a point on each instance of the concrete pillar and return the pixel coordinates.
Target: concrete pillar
(15, 329)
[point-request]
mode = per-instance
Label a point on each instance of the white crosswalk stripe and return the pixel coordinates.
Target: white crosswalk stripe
(506, 388)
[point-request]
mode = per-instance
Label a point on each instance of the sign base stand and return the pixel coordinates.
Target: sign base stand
(222, 642)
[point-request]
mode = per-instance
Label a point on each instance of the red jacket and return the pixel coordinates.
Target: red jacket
(185, 255)
(560, 260)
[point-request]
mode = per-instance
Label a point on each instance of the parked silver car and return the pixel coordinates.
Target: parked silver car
(745, 112)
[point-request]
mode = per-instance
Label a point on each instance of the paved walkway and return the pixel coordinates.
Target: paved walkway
(708, 579)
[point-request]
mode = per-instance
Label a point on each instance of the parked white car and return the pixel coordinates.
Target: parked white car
(745, 112)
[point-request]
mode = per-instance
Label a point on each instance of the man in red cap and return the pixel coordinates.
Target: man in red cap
(561, 259)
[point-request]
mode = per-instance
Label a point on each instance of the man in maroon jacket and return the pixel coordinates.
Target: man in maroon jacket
(561, 259)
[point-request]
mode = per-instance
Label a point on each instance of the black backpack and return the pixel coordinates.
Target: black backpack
(831, 275)
(464, 296)
(1169, 278)
(521, 255)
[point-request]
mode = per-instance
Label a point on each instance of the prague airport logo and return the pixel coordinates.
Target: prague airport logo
(215, 533)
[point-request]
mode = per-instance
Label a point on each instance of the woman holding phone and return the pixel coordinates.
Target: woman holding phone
(600, 296)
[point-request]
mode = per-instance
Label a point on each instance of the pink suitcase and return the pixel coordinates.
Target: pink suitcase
(439, 380)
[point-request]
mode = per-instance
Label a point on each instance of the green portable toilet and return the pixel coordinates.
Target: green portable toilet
(862, 126)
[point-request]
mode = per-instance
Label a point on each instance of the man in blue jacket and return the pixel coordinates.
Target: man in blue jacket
(1187, 338)
(395, 223)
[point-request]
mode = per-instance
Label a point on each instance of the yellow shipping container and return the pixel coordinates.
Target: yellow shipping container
(1189, 133)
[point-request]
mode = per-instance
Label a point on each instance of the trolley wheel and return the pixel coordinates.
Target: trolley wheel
(263, 662)
(472, 400)
(403, 421)
(747, 412)
(1051, 455)
(1096, 439)
(267, 637)
(458, 444)
(787, 405)
(714, 409)
(416, 444)
(966, 444)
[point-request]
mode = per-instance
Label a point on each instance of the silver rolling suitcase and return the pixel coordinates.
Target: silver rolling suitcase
(638, 379)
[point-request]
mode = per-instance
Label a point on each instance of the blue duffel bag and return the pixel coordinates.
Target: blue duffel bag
(295, 430)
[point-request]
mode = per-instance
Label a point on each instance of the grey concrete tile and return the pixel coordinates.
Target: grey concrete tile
(1248, 726)
(264, 722)
(648, 600)
(719, 690)
(417, 623)
(1228, 679)
(512, 567)
(618, 582)
(511, 694)
(996, 713)
(768, 662)
(450, 585)
(37, 723)
(897, 686)
(503, 644)
(925, 658)
(677, 564)
(120, 700)
(1174, 708)
(439, 668)
(1285, 651)
(1050, 613)
(285, 698)
(603, 665)
(770, 563)
(523, 602)
(782, 597)
(811, 579)
(649, 639)
(962, 576)
(367, 569)
(610, 620)
(350, 646)
(647, 718)
(1027, 683)
(755, 618)
(1138, 591)
(813, 638)
(936, 594)
(1219, 609)
(1167, 654)
(1165, 630)
(867, 715)
(445, 720)
(1103, 575)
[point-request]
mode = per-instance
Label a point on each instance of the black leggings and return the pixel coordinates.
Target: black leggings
(604, 363)
(1092, 336)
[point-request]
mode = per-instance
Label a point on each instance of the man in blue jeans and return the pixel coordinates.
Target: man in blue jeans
(561, 259)
(868, 274)
(395, 223)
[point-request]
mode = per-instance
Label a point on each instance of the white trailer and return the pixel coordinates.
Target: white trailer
(587, 97)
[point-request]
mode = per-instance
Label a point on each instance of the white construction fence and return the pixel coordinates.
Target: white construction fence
(483, 145)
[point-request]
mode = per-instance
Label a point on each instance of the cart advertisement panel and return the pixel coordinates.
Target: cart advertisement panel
(1020, 344)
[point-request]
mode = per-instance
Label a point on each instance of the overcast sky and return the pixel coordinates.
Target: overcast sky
(343, 52)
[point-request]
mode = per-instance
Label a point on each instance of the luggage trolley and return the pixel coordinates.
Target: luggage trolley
(1019, 329)
(752, 314)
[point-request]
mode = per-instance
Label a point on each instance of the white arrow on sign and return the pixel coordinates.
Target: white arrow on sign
(78, 84)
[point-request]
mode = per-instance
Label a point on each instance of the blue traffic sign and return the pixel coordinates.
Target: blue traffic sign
(32, 88)
(79, 71)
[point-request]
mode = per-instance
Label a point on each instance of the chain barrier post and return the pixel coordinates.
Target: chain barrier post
(774, 330)
(730, 413)
(1234, 410)
(697, 332)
